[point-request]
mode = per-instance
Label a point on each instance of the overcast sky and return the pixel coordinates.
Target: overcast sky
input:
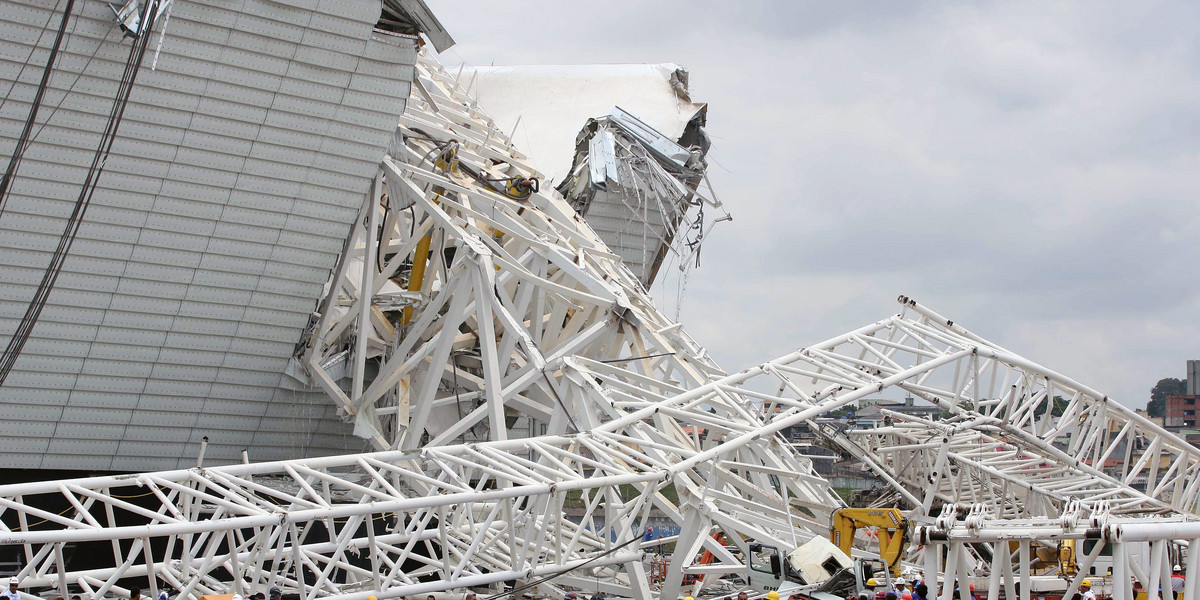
(1028, 169)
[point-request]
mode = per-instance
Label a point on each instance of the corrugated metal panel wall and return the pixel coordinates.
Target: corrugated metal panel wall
(241, 163)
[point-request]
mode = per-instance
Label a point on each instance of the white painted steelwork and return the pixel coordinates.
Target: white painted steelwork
(1003, 443)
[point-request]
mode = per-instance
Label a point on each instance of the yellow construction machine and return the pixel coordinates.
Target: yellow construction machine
(890, 528)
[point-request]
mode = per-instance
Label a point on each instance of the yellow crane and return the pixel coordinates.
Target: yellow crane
(891, 529)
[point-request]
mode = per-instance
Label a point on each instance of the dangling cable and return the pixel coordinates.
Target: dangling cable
(14, 162)
(132, 65)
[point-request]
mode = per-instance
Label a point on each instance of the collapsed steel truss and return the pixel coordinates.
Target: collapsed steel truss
(1021, 437)
(470, 311)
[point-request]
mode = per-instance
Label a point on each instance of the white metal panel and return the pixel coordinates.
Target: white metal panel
(216, 232)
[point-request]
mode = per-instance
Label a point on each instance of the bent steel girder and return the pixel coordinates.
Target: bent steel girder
(1021, 437)
(478, 294)
(406, 522)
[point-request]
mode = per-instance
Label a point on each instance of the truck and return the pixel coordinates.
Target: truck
(823, 569)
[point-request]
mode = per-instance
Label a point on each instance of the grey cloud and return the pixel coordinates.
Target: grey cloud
(1026, 168)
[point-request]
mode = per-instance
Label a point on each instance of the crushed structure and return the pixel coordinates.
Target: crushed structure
(527, 407)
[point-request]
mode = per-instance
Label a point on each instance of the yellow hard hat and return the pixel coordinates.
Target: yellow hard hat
(372, 598)
(1086, 583)
(871, 582)
(689, 598)
(772, 595)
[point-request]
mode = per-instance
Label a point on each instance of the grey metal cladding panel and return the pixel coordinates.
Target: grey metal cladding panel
(173, 240)
(265, 236)
(165, 449)
(183, 373)
(166, 256)
(197, 340)
(269, 27)
(157, 273)
(145, 463)
(202, 175)
(113, 215)
(116, 368)
(268, 332)
(185, 389)
(327, 212)
(51, 364)
(299, 239)
(337, 153)
(261, 348)
(317, 227)
(199, 140)
(209, 159)
(275, 169)
(108, 383)
(191, 357)
(265, 210)
(20, 410)
(276, 317)
(55, 348)
(227, 423)
(129, 336)
(352, 198)
(150, 420)
(276, 285)
(164, 108)
(89, 431)
(201, 192)
(140, 305)
(266, 185)
(97, 416)
(121, 199)
(210, 327)
(185, 409)
(22, 445)
(232, 264)
(76, 462)
(220, 279)
(187, 208)
(270, 147)
(258, 44)
(113, 402)
(244, 377)
(217, 124)
(219, 295)
(322, 109)
(240, 392)
(99, 448)
(119, 352)
(298, 272)
(210, 310)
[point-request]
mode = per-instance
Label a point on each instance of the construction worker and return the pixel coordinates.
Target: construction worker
(1085, 590)
(12, 593)
(1177, 581)
(901, 584)
(742, 596)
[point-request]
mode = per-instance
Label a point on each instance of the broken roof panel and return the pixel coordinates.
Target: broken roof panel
(554, 101)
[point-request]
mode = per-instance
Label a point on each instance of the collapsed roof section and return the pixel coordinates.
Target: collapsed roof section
(635, 185)
(634, 172)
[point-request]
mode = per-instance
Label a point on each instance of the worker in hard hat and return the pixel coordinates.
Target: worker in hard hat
(1085, 589)
(12, 593)
(1177, 581)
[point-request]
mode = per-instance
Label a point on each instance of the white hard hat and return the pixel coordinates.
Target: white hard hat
(901, 581)
(14, 581)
